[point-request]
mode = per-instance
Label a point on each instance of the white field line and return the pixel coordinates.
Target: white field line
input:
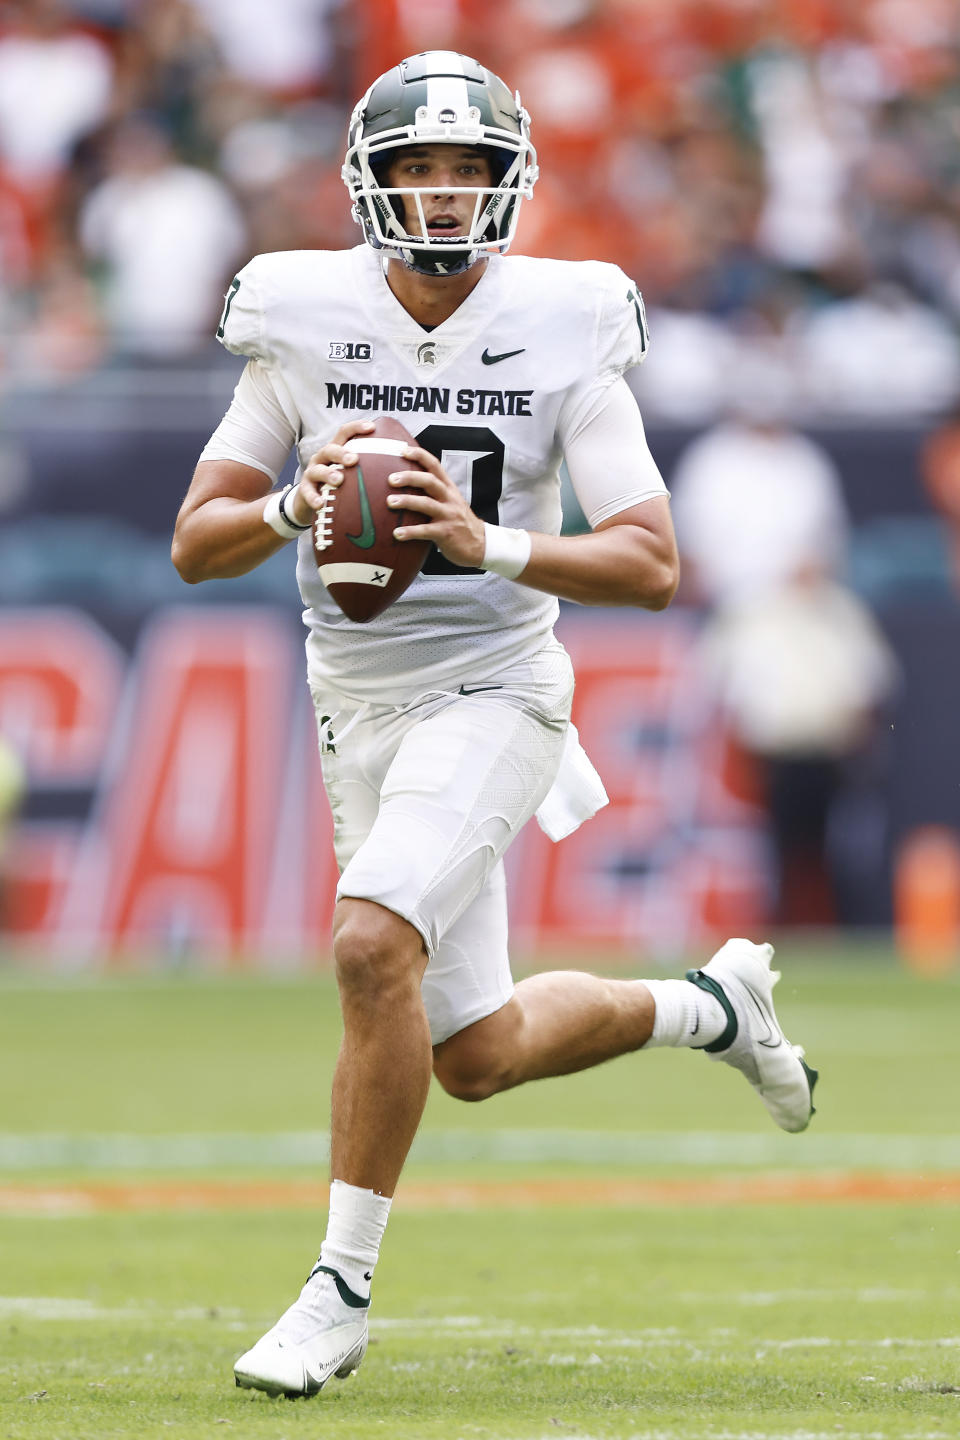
(709, 1433)
(63, 1307)
(869, 1295)
(310, 1149)
(470, 1328)
(51, 1205)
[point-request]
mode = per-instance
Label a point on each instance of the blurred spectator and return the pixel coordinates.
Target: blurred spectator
(284, 47)
(793, 658)
(55, 87)
(718, 150)
(169, 65)
(754, 501)
(696, 353)
(63, 335)
(167, 236)
(801, 671)
(879, 354)
(285, 169)
(803, 224)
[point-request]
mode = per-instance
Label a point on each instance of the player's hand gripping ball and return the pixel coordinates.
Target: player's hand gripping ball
(364, 568)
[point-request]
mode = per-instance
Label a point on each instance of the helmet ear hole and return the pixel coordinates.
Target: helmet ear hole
(379, 165)
(498, 160)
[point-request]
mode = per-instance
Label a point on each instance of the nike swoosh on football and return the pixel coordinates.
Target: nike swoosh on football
(489, 359)
(368, 533)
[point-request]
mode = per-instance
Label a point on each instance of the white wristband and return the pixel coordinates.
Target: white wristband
(275, 516)
(506, 552)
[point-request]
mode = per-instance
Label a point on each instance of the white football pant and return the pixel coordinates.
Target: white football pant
(427, 796)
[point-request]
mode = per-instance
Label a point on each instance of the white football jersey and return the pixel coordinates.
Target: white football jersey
(495, 392)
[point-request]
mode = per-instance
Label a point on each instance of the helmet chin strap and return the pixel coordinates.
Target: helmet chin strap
(428, 262)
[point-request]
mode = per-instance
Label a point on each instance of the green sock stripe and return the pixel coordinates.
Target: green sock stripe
(724, 1041)
(348, 1296)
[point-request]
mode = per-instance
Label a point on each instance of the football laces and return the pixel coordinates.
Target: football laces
(323, 525)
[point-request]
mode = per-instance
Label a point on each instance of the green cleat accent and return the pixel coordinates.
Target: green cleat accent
(740, 978)
(724, 1041)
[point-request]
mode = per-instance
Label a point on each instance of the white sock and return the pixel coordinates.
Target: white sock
(685, 1015)
(355, 1228)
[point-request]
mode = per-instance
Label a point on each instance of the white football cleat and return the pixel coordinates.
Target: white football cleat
(323, 1333)
(740, 977)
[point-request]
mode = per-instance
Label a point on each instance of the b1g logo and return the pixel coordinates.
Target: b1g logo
(349, 350)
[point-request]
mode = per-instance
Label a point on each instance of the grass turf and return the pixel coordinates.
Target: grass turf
(776, 1321)
(181, 1053)
(750, 1320)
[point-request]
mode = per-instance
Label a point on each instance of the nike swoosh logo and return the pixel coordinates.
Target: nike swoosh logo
(368, 533)
(772, 1042)
(477, 689)
(321, 1376)
(489, 359)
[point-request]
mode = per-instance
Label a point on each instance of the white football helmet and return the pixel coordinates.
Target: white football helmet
(439, 97)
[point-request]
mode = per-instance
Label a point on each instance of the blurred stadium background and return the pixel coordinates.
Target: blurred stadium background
(781, 178)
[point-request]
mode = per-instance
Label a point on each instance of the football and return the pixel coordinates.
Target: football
(364, 568)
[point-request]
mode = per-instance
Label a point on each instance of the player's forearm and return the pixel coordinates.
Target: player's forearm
(221, 539)
(625, 565)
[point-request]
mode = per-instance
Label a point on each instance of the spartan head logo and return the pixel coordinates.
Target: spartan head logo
(427, 353)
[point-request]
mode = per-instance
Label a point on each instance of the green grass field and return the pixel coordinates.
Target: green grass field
(138, 1115)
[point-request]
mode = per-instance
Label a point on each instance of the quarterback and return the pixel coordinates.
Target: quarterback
(444, 724)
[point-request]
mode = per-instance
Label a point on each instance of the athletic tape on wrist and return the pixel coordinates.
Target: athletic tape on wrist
(275, 516)
(506, 552)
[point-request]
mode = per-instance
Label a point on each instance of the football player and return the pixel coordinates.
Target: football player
(445, 723)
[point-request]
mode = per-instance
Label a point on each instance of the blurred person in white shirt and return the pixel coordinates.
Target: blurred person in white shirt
(802, 674)
(793, 659)
(167, 236)
(878, 352)
(55, 86)
(754, 499)
(285, 47)
(803, 224)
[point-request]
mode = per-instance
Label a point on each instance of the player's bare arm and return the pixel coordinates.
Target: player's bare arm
(630, 559)
(220, 531)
